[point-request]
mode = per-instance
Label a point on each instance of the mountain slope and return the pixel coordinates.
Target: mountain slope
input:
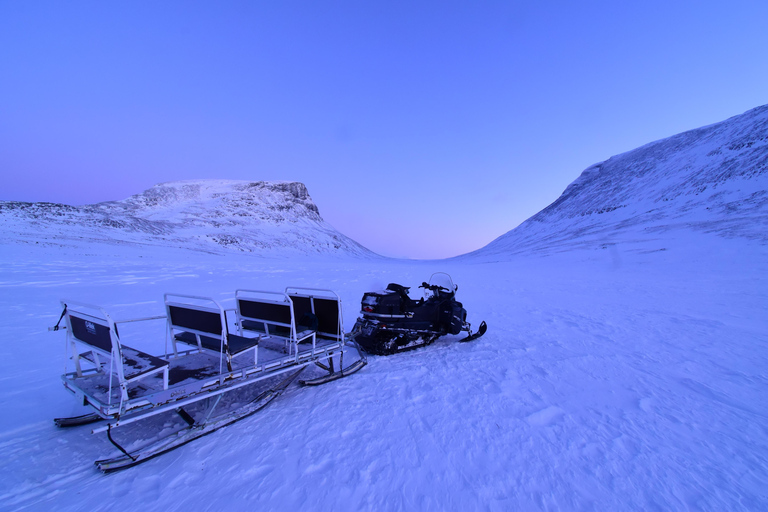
(710, 180)
(206, 215)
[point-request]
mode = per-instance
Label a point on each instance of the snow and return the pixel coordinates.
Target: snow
(605, 381)
(624, 367)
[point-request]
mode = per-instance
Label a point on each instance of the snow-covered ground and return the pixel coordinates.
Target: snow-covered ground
(606, 381)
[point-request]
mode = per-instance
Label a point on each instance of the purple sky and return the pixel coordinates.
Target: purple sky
(422, 129)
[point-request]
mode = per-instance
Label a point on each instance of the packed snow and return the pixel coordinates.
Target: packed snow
(606, 381)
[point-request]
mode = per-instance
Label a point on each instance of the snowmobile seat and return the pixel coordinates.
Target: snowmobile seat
(270, 314)
(402, 291)
(201, 322)
(91, 327)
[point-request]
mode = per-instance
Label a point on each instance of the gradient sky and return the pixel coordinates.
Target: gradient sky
(422, 129)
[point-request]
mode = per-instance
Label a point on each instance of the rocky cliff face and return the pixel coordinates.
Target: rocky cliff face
(709, 180)
(208, 215)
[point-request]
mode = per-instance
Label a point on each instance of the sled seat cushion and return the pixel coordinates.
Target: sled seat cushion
(256, 326)
(207, 342)
(277, 330)
(137, 363)
(235, 343)
(238, 344)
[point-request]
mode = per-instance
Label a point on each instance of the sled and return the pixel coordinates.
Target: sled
(221, 365)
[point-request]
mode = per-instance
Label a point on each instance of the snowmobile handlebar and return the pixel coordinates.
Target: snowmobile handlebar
(434, 287)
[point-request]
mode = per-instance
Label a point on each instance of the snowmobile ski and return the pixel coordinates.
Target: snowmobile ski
(480, 331)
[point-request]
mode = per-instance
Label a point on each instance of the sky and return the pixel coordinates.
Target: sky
(421, 129)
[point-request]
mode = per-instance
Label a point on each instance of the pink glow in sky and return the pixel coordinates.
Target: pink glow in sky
(422, 129)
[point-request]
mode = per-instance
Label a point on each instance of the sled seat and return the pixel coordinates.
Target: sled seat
(321, 306)
(135, 362)
(99, 336)
(271, 314)
(201, 322)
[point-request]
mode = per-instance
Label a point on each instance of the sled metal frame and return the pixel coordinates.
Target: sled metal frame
(161, 389)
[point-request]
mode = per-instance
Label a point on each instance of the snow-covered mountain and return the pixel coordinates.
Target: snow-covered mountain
(709, 180)
(206, 215)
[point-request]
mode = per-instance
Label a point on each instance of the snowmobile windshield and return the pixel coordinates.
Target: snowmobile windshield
(443, 280)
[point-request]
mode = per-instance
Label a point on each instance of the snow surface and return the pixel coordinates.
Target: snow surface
(625, 365)
(604, 382)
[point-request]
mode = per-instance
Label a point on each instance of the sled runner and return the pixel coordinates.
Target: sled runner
(209, 377)
(391, 321)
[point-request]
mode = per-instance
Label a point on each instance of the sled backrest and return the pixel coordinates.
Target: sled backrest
(323, 304)
(270, 313)
(196, 320)
(93, 331)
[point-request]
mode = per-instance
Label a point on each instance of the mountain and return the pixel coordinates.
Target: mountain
(710, 180)
(205, 215)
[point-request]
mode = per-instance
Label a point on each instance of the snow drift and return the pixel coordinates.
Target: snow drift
(710, 180)
(204, 215)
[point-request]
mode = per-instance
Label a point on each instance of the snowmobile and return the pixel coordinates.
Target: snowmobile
(391, 321)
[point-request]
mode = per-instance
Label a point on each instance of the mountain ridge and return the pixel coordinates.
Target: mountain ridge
(207, 215)
(712, 179)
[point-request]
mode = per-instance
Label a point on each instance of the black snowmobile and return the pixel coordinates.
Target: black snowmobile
(391, 321)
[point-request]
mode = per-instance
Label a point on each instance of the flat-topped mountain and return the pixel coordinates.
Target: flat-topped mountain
(207, 215)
